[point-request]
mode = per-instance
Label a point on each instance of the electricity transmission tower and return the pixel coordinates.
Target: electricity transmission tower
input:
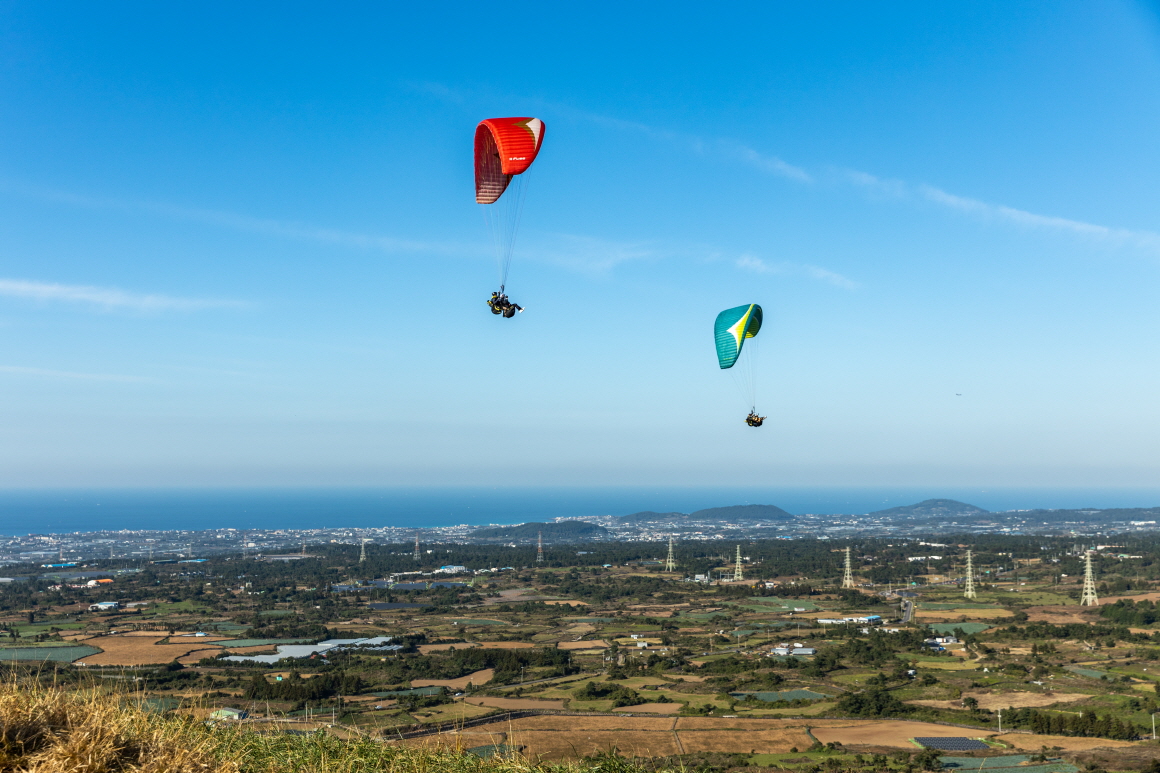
(416, 546)
(362, 555)
(539, 547)
(737, 567)
(848, 574)
(1088, 597)
(969, 590)
(671, 563)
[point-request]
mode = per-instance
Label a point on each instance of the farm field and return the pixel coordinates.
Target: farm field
(708, 684)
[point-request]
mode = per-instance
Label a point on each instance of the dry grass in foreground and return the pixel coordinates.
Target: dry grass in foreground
(50, 730)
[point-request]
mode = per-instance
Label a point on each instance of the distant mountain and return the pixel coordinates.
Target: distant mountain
(733, 514)
(568, 531)
(742, 513)
(933, 508)
(649, 515)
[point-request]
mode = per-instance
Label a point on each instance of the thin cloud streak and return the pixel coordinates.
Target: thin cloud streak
(105, 297)
(266, 226)
(17, 370)
(759, 266)
(899, 189)
(775, 165)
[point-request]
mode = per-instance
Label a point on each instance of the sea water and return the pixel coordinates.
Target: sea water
(72, 510)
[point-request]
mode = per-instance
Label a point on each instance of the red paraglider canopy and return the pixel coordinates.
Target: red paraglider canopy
(504, 147)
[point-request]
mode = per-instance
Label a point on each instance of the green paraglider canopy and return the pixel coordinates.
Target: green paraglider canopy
(731, 329)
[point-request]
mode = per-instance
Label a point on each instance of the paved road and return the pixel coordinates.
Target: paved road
(907, 610)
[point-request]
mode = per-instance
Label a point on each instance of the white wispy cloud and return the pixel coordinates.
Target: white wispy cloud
(775, 165)
(1147, 240)
(590, 255)
(759, 266)
(103, 297)
(17, 370)
(765, 162)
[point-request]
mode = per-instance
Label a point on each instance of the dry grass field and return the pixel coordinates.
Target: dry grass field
(506, 645)
(595, 644)
(594, 722)
(775, 737)
(477, 679)
(896, 733)
(1015, 700)
(515, 704)
(427, 649)
(1057, 615)
(562, 745)
(952, 615)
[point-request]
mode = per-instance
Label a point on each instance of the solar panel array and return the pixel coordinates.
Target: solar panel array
(953, 744)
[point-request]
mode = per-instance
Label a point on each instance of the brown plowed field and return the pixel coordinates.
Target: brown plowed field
(478, 678)
(564, 737)
(1055, 614)
(123, 650)
(770, 740)
(506, 645)
(870, 732)
(1035, 742)
(651, 708)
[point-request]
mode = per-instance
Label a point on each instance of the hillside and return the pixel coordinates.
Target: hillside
(53, 731)
(568, 531)
(731, 514)
(933, 508)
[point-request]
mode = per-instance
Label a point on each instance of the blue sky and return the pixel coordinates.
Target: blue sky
(239, 246)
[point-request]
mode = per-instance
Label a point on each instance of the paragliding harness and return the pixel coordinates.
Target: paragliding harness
(499, 304)
(753, 419)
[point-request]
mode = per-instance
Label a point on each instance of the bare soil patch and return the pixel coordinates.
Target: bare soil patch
(895, 733)
(515, 703)
(477, 679)
(595, 644)
(506, 645)
(1055, 614)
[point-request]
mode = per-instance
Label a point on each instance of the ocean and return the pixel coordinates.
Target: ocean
(74, 510)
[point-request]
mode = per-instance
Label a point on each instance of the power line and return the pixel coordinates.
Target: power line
(1088, 597)
(969, 591)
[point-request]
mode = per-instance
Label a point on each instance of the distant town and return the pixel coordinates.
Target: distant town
(931, 517)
